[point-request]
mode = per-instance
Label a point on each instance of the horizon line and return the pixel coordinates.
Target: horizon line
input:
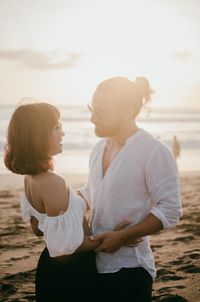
(182, 108)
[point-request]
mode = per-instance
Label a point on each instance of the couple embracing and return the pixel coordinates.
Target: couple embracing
(131, 193)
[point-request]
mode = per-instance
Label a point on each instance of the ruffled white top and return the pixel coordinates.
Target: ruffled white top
(63, 234)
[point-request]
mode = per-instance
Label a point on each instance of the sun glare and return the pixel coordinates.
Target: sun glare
(84, 43)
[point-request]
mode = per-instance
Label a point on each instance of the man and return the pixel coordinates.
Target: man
(132, 177)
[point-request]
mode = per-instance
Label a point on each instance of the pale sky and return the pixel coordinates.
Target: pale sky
(59, 50)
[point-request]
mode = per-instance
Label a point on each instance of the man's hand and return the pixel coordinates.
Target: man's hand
(120, 226)
(110, 241)
(131, 236)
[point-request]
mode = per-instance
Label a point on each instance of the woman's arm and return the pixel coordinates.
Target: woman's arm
(86, 227)
(83, 197)
(87, 244)
(34, 226)
(111, 241)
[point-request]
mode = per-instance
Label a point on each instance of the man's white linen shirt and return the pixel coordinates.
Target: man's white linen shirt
(141, 179)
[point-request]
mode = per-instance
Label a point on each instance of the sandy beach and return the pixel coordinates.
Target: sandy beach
(176, 251)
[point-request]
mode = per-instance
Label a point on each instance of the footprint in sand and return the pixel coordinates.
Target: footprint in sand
(191, 269)
(194, 256)
(166, 275)
(7, 288)
(21, 276)
(170, 288)
(25, 298)
(169, 298)
(186, 239)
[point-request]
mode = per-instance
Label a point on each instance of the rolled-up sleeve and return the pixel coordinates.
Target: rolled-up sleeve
(162, 180)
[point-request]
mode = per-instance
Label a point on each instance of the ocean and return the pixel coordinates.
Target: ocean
(79, 138)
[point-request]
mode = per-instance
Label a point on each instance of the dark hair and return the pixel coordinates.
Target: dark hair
(28, 137)
(121, 89)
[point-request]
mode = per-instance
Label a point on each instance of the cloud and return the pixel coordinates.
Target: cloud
(41, 60)
(182, 56)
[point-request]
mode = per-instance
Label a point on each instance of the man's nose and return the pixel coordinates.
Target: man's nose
(93, 118)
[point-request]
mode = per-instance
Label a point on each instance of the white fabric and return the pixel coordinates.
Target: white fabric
(142, 178)
(63, 234)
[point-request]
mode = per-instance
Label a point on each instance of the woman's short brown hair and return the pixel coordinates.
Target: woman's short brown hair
(28, 138)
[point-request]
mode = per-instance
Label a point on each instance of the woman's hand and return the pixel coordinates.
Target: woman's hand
(113, 240)
(34, 226)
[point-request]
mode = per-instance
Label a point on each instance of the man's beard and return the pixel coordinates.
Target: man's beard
(104, 132)
(100, 132)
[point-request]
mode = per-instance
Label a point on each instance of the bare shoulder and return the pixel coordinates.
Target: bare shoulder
(55, 194)
(50, 179)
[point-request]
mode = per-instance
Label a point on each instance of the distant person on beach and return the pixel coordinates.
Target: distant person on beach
(176, 147)
(53, 209)
(133, 177)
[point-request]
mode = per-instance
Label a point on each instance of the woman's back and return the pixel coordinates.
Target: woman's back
(47, 193)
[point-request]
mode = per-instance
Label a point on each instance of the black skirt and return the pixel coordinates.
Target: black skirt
(66, 278)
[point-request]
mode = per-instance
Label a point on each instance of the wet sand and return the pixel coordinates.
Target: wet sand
(176, 251)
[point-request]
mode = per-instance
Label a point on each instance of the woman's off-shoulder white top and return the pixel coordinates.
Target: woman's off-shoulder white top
(63, 234)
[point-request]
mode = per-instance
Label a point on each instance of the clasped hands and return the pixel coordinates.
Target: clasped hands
(113, 240)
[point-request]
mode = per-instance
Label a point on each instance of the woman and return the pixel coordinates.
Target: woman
(54, 210)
